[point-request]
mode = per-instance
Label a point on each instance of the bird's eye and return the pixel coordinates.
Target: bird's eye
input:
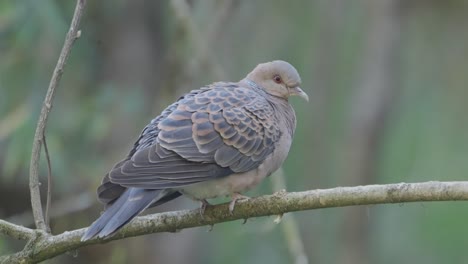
(277, 79)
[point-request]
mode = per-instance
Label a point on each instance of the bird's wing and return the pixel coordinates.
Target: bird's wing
(207, 134)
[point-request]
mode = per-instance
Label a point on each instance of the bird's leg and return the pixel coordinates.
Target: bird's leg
(204, 205)
(234, 198)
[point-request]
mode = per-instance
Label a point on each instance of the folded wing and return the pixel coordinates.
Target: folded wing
(209, 133)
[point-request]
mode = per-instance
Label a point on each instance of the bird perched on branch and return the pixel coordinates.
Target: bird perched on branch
(219, 140)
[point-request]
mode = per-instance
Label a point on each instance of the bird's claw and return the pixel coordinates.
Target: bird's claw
(203, 207)
(234, 198)
(278, 219)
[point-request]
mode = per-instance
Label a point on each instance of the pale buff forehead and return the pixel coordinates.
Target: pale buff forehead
(284, 69)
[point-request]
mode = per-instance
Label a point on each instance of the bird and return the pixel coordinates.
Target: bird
(219, 140)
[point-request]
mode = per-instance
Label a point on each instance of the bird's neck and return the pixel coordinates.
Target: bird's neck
(251, 84)
(284, 111)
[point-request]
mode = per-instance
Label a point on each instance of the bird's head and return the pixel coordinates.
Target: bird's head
(278, 78)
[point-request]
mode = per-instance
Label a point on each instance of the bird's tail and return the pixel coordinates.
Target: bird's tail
(132, 202)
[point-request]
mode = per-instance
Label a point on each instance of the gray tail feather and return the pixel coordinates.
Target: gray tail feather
(132, 202)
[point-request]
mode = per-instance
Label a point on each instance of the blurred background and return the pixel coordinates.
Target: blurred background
(388, 86)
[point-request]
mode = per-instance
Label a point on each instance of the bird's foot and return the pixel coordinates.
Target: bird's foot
(204, 205)
(234, 198)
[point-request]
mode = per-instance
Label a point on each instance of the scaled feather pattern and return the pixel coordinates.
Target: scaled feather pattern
(221, 139)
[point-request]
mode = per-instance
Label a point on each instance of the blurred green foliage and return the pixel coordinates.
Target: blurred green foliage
(135, 57)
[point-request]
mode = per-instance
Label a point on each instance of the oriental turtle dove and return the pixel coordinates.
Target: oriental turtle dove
(221, 139)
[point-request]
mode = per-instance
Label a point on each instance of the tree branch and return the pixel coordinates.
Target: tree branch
(72, 35)
(43, 246)
(15, 231)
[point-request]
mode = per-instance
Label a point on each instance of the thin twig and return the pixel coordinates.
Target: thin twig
(49, 185)
(72, 35)
(47, 246)
(289, 224)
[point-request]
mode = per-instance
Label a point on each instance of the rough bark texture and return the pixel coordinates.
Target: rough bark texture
(42, 246)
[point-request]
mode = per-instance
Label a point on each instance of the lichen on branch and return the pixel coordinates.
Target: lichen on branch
(44, 246)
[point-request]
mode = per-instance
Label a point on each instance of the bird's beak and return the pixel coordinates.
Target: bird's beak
(299, 92)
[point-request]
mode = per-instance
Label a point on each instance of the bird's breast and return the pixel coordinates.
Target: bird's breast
(240, 182)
